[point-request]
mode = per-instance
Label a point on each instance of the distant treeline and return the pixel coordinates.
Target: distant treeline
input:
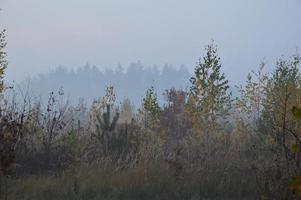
(89, 82)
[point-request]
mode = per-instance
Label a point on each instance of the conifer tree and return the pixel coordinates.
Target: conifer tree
(106, 121)
(150, 108)
(209, 96)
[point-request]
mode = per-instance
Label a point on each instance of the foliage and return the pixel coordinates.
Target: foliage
(195, 146)
(209, 96)
(3, 61)
(208, 107)
(126, 111)
(105, 128)
(150, 109)
(252, 95)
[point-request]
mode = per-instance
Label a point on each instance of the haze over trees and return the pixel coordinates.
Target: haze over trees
(89, 82)
(199, 142)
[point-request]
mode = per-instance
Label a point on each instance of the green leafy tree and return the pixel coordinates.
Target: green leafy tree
(152, 134)
(209, 97)
(150, 109)
(278, 123)
(208, 106)
(282, 95)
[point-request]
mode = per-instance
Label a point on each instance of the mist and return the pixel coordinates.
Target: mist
(43, 35)
(150, 100)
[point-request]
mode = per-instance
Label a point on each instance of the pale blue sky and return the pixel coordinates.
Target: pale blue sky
(44, 34)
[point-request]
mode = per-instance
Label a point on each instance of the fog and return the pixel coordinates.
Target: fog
(42, 35)
(150, 99)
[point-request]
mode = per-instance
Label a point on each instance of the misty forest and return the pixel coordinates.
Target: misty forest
(152, 134)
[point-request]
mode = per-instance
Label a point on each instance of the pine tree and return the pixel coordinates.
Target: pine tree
(209, 96)
(106, 120)
(208, 106)
(150, 109)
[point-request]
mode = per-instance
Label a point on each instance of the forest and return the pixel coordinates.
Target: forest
(200, 143)
(129, 82)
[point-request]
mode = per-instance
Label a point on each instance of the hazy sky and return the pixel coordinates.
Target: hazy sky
(44, 34)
